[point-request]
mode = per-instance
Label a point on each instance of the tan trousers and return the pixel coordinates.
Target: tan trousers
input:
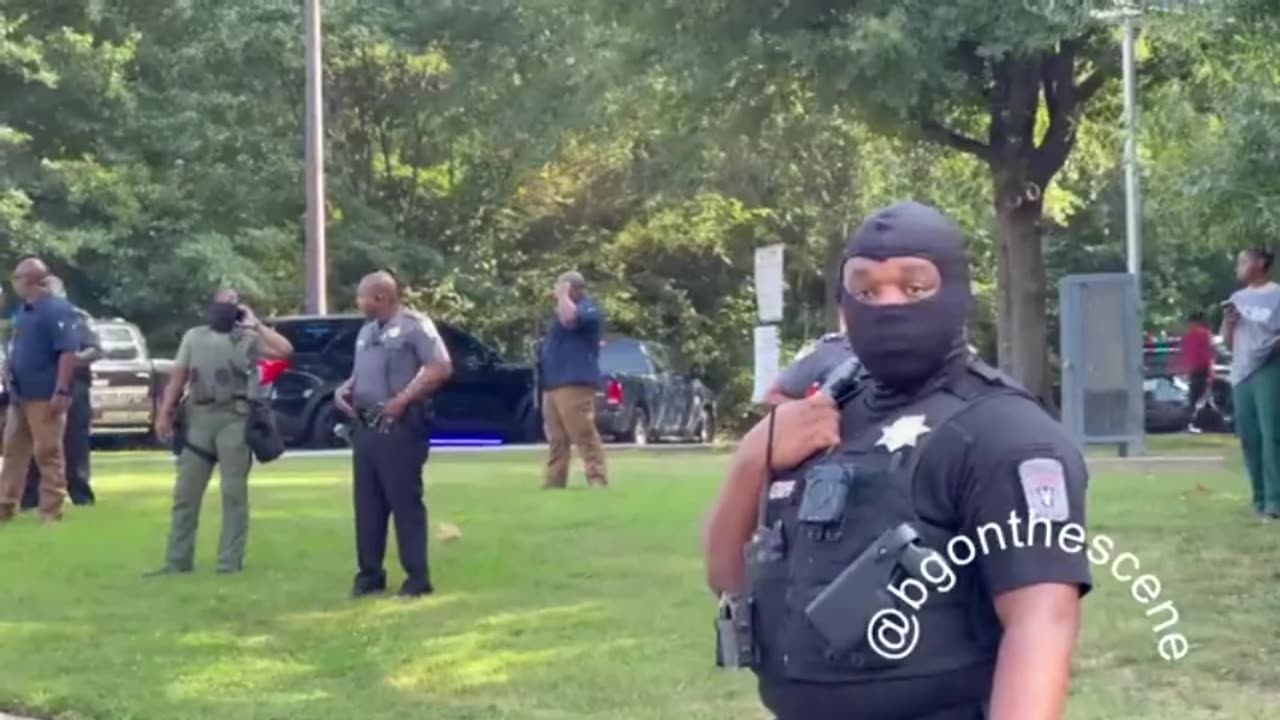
(33, 429)
(569, 417)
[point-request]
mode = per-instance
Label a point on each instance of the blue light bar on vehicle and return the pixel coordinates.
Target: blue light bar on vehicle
(465, 442)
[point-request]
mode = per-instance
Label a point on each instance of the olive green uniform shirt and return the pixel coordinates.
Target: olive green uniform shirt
(222, 366)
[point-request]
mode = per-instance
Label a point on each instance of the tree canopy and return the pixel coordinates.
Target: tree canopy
(152, 150)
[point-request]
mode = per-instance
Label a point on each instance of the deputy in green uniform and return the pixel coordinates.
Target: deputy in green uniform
(217, 368)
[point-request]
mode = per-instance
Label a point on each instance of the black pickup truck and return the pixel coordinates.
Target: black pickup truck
(487, 400)
(642, 397)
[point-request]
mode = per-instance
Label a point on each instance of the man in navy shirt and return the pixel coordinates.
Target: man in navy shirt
(75, 439)
(42, 363)
(569, 370)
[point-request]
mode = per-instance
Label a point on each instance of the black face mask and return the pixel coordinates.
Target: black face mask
(904, 346)
(223, 316)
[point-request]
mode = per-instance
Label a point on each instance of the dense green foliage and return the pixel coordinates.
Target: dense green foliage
(151, 149)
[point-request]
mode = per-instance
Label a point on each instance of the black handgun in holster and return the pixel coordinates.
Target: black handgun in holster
(735, 635)
(180, 442)
(842, 611)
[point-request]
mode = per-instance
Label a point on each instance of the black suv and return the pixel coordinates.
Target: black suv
(643, 397)
(487, 400)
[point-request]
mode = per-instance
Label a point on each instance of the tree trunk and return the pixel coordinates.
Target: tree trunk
(1023, 332)
(1004, 306)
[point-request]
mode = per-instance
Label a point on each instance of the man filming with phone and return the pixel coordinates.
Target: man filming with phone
(216, 370)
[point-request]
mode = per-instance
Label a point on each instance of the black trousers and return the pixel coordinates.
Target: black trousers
(388, 468)
(1199, 383)
(75, 448)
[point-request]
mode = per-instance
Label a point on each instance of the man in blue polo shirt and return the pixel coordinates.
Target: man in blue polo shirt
(42, 363)
(569, 370)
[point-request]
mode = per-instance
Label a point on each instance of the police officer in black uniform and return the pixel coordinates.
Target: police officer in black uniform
(914, 547)
(400, 361)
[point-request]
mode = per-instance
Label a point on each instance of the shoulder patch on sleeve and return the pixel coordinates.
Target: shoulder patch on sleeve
(1044, 485)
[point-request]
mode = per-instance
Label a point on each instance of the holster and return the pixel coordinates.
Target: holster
(180, 438)
(735, 636)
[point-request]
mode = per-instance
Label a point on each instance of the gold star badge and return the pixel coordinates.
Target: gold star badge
(903, 432)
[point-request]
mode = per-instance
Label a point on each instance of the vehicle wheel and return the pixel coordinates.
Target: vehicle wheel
(639, 432)
(322, 427)
(706, 427)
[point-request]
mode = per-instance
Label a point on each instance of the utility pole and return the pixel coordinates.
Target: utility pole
(1132, 189)
(316, 297)
(1129, 14)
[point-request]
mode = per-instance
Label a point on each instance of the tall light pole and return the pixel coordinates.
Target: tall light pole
(1132, 189)
(1128, 14)
(316, 297)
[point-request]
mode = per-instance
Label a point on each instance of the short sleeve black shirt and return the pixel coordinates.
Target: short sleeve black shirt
(1013, 482)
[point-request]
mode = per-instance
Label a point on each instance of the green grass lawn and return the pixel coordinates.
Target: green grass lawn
(552, 606)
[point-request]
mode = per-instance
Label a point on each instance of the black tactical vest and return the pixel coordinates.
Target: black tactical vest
(820, 518)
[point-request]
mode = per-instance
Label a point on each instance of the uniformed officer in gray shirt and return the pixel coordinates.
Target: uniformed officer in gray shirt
(810, 369)
(400, 361)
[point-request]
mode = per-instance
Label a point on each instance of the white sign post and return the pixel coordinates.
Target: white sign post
(769, 284)
(769, 304)
(767, 354)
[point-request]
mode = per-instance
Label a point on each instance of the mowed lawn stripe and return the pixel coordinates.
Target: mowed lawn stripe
(573, 604)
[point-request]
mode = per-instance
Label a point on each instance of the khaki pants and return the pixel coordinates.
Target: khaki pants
(569, 417)
(32, 429)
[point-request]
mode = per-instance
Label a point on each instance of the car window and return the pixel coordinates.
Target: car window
(464, 350)
(118, 342)
(316, 336)
(1165, 390)
(659, 357)
(623, 357)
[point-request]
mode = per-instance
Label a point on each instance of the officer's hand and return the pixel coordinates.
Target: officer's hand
(342, 400)
(164, 427)
(802, 428)
(58, 405)
(248, 319)
(394, 408)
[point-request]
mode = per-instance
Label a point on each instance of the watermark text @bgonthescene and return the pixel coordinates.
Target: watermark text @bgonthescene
(893, 633)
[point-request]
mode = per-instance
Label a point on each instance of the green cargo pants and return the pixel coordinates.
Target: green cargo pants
(218, 432)
(1257, 420)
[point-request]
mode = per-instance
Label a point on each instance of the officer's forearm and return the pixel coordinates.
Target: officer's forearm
(732, 519)
(277, 345)
(427, 381)
(66, 370)
(1033, 673)
(173, 390)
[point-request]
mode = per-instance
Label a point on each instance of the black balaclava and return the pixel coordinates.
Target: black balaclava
(223, 316)
(904, 346)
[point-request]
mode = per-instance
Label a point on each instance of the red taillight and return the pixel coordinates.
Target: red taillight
(271, 369)
(613, 393)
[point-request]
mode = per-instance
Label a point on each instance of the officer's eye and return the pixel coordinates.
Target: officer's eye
(917, 290)
(863, 295)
